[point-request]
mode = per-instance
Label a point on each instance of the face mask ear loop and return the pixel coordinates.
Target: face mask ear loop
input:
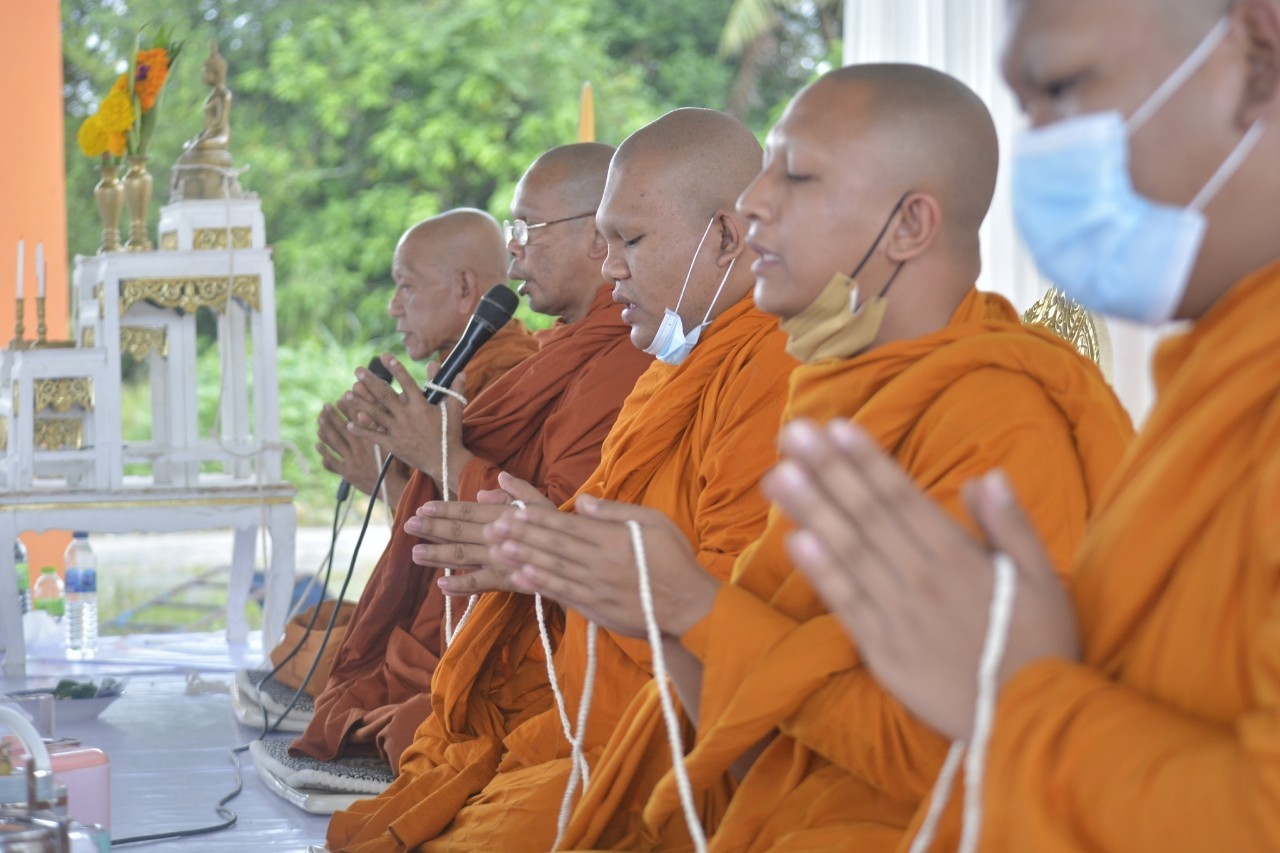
(884, 229)
(1229, 166)
(1180, 74)
(689, 274)
(712, 306)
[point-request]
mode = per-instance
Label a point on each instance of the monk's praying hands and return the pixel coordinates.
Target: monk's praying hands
(586, 561)
(908, 583)
(455, 536)
(404, 423)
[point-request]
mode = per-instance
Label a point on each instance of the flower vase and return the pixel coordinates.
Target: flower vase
(109, 193)
(137, 195)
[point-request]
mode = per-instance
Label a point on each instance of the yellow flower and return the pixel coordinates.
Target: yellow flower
(116, 143)
(152, 71)
(92, 137)
(116, 112)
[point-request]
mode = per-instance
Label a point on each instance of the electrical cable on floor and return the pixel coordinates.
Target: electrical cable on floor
(229, 816)
(267, 726)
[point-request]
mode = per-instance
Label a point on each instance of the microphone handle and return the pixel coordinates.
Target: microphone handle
(476, 336)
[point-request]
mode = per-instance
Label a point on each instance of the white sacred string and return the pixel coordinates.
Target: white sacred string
(580, 767)
(975, 761)
(449, 631)
(578, 761)
(664, 692)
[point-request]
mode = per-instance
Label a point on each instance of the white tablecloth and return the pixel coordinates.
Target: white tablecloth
(169, 744)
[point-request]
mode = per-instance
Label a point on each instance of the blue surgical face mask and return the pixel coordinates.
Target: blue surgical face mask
(670, 343)
(1090, 232)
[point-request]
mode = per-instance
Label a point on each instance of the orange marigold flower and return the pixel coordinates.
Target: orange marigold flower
(152, 71)
(92, 137)
(116, 112)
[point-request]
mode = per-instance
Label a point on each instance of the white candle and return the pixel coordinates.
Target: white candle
(40, 270)
(21, 251)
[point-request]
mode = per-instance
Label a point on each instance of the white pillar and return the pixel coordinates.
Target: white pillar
(965, 38)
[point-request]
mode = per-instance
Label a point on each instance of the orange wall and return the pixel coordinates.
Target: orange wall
(33, 185)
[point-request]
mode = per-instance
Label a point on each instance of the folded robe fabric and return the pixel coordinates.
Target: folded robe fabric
(543, 421)
(1166, 736)
(847, 766)
(489, 766)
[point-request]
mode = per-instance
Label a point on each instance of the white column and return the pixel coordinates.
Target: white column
(965, 38)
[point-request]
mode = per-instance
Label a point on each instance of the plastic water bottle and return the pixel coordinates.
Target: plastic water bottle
(49, 594)
(23, 575)
(81, 623)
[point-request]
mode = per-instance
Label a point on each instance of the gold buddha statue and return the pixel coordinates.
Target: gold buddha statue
(204, 169)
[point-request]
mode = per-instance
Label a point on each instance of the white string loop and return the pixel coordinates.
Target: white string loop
(685, 790)
(974, 754)
(449, 630)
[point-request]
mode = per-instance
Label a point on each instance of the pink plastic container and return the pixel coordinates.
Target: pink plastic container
(87, 774)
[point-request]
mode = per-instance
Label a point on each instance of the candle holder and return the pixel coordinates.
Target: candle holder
(41, 328)
(18, 330)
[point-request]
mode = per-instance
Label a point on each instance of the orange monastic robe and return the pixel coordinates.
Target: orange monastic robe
(489, 766)
(544, 421)
(847, 765)
(1167, 736)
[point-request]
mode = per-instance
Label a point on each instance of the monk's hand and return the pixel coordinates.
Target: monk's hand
(513, 490)
(454, 531)
(402, 423)
(910, 585)
(585, 560)
(351, 458)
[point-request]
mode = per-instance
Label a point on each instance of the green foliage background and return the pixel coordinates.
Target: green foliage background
(359, 117)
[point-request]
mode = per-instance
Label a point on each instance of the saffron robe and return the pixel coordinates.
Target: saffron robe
(543, 421)
(489, 766)
(847, 765)
(1166, 736)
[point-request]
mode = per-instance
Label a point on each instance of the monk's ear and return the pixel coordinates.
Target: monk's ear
(1260, 20)
(918, 223)
(599, 248)
(733, 237)
(466, 287)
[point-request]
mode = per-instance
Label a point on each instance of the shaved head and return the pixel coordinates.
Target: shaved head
(574, 174)
(940, 132)
(883, 172)
(459, 238)
(558, 196)
(668, 215)
(701, 159)
(442, 266)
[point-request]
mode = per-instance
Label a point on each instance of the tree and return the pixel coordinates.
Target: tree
(791, 39)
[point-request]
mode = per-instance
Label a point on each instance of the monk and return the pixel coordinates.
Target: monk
(490, 766)
(544, 420)
(1135, 709)
(441, 268)
(888, 171)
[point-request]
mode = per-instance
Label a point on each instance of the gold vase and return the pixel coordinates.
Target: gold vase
(137, 195)
(109, 194)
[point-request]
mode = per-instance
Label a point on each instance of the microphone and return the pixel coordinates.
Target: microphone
(493, 312)
(378, 369)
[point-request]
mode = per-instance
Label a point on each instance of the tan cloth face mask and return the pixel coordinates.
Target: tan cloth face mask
(834, 325)
(831, 327)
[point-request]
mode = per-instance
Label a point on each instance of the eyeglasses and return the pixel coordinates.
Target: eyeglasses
(519, 230)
